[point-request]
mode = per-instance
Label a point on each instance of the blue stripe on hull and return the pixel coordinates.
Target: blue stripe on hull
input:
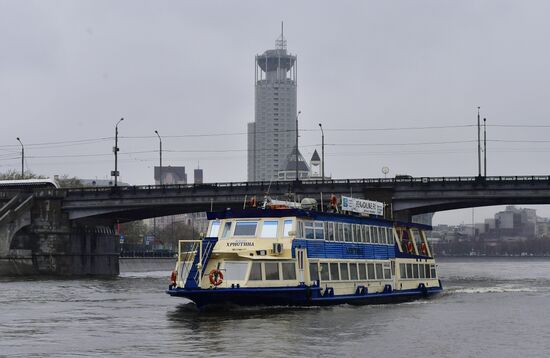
(294, 296)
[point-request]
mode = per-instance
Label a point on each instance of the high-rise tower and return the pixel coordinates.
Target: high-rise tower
(272, 135)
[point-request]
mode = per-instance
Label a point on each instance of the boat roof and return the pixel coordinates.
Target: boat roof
(309, 214)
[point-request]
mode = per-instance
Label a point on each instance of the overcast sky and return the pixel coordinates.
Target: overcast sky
(70, 69)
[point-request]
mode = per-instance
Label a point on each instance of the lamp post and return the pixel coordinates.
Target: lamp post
(322, 152)
(115, 150)
(160, 154)
(22, 159)
(478, 145)
(485, 147)
(297, 178)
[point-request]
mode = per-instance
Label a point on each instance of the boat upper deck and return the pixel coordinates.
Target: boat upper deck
(312, 215)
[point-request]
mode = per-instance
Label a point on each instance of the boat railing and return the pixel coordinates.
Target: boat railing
(190, 265)
(186, 258)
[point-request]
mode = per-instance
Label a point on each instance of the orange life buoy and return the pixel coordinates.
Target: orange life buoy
(410, 247)
(216, 277)
(173, 277)
(252, 202)
(423, 249)
(333, 201)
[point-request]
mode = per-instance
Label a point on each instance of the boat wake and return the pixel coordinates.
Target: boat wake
(493, 289)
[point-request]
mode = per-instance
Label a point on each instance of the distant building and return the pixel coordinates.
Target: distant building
(514, 222)
(543, 228)
(272, 135)
(197, 176)
(315, 166)
(425, 219)
(170, 175)
(288, 170)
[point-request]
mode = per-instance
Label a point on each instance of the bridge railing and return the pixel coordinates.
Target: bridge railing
(290, 184)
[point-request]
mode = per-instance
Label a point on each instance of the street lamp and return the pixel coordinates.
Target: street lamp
(478, 145)
(297, 178)
(160, 154)
(22, 159)
(485, 147)
(115, 173)
(322, 151)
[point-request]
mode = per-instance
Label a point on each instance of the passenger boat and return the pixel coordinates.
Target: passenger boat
(294, 255)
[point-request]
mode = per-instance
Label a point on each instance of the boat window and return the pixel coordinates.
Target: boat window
(338, 231)
(381, 238)
(402, 271)
(387, 271)
(272, 271)
(415, 270)
(319, 232)
(329, 231)
(370, 271)
(344, 271)
(269, 229)
(374, 231)
(366, 233)
(427, 270)
(235, 270)
(362, 271)
(287, 228)
(309, 233)
(324, 271)
(385, 235)
(393, 268)
(409, 271)
(353, 271)
(313, 271)
(421, 272)
(226, 229)
(432, 271)
(255, 272)
(245, 228)
(347, 232)
(289, 270)
(357, 233)
(334, 276)
(379, 272)
(214, 229)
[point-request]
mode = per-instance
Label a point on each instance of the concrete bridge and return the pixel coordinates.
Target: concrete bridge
(72, 230)
(404, 197)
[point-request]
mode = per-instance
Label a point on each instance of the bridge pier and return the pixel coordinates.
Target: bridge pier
(40, 239)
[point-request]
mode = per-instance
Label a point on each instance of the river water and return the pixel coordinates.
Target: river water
(491, 308)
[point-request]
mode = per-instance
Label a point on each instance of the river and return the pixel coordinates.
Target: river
(491, 308)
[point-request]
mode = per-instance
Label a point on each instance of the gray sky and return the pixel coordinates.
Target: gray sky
(70, 69)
